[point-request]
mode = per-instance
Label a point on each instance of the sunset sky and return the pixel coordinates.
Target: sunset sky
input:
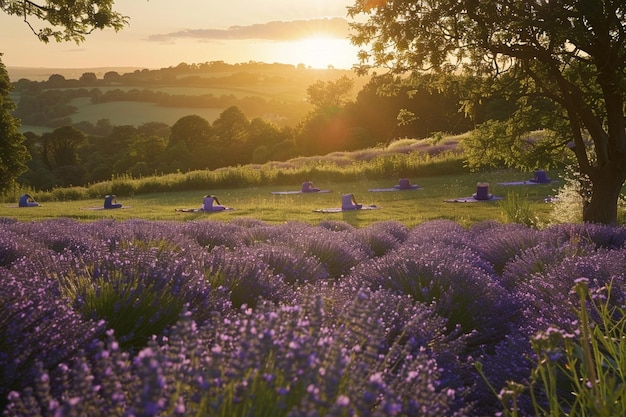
(164, 33)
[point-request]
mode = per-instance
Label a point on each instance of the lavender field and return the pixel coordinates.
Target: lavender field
(208, 318)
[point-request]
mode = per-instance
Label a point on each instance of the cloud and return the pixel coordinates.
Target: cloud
(336, 27)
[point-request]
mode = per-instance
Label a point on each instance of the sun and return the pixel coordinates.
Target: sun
(318, 52)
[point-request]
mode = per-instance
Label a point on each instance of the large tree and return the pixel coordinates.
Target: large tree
(13, 152)
(568, 56)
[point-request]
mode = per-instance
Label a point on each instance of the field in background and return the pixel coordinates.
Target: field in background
(136, 113)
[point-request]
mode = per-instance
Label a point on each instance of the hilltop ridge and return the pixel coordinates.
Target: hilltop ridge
(43, 73)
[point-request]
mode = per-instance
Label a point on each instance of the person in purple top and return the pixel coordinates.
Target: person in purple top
(110, 202)
(482, 191)
(27, 201)
(541, 177)
(308, 187)
(405, 184)
(211, 203)
(349, 203)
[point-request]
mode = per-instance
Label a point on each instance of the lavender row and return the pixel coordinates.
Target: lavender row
(245, 318)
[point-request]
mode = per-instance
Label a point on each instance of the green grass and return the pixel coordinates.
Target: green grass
(408, 207)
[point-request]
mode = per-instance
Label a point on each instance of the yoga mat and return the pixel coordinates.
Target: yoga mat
(525, 183)
(199, 210)
(339, 209)
(471, 200)
(102, 208)
(380, 190)
(298, 192)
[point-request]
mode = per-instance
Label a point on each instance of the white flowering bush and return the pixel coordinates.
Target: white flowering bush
(567, 204)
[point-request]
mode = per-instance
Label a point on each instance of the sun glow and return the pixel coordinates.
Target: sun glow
(317, 52)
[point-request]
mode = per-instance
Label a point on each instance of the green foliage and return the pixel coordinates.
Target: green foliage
(60, 147)
(324, 94)
(68, 21)
(517, 209)
(191, 138)
(13, 153)
(69, 193)
(501, 144)
(129, 304)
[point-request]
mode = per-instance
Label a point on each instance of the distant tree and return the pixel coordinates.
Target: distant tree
(56, 80)
(143, 156)
(192, 130)
(88, 78)
(60, 147)
(119, 140)
(322, 94)
(231, 137)
(567, 56)
(159, 129)
(324, 131)
(112, 77)
(231, 126)
(38, 176)
(191, 138)
(284, 150)
(13, 152)
(59, 152)
(262, 132)
(65, 20)
(110, 154)
(102, 127)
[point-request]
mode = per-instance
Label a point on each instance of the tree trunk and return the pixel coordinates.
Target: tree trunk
(606, 188)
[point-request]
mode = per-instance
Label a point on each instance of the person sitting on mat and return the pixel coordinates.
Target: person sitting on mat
(27, 201)
(349, 203)
(404, 184)
(541, 177)
(110, 202)
(308, 187)
(482, 191)
(211, 203)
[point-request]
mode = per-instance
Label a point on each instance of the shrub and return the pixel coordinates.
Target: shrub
(38, 329)
(452, 281)
(517, 209)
